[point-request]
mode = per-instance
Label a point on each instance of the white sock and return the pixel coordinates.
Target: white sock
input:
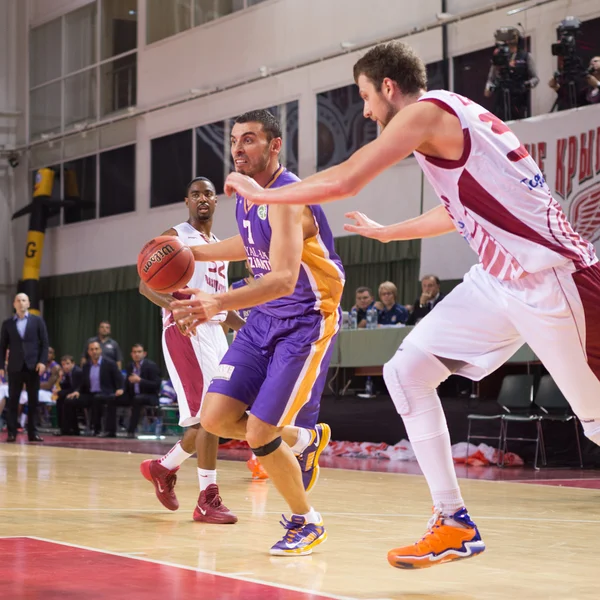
(206, 477)
(302, 441)
(312, 516)
(174, 457)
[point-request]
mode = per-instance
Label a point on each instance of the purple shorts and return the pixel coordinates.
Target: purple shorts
(278, 367)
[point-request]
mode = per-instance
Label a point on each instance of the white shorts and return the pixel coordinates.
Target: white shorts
(192, 363)
(484, 321)
(44, 397)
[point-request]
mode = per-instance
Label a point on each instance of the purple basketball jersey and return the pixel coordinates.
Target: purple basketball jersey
(321, 278)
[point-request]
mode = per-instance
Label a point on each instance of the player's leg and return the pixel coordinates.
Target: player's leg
(558, 314)
(467, 334)
(187, 378)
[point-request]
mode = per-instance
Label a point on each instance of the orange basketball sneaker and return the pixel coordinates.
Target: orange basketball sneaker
(257, 470)
(448, 538)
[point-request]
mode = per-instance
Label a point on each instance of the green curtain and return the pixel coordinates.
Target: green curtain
(74, 304)
(71, 320)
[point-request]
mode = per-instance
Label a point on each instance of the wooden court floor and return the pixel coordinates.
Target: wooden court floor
(57, 502)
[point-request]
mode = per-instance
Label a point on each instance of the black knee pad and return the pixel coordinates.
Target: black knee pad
(267, 448)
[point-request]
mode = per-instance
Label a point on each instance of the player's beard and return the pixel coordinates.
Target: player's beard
(252, 169)
(390, 114)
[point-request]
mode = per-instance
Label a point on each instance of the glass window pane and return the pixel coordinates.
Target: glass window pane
(435, 75)
(80, 38)
(210, 153)
(45, 51)
(288, 118)
(119, 27)
(117, 181)
(44, 109)
(167, 18)
(80, 97)
(119, 84)
(341, 127)
(52, 213)
(209, 10)
(171, 167)
(80, 189)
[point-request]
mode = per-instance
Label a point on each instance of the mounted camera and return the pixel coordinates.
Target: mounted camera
(568, 31)
(505, 37)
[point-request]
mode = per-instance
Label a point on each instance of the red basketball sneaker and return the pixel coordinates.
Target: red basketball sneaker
(210, 508)
(164, 482)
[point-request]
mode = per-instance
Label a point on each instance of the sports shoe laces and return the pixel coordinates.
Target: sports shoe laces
(214, 501)
(170, 480)
(294, 527)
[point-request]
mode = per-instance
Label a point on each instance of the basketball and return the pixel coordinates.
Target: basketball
(165, 264)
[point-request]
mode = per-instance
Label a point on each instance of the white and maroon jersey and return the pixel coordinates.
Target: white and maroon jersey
(498, 199)
(210, 277)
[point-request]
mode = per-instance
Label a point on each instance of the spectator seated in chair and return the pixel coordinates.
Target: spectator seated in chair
(110, 348)
(389, 311)
(364, 301)
(49, 378)
(430, 296)
(102, 382)
(142, 385)
(70, 385)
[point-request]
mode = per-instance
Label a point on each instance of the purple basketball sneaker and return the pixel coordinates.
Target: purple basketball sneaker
(300, 538)
(309, 459)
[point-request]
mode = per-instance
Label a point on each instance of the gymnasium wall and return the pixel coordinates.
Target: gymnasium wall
(278, 34)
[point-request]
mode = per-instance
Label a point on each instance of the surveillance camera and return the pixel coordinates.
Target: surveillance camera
(13, 160)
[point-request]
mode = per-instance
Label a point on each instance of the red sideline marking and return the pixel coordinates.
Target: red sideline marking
(32, 569)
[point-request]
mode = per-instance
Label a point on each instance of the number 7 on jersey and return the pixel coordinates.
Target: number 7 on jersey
(247, 226)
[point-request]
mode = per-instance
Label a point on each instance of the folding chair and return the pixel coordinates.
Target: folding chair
(555, 407)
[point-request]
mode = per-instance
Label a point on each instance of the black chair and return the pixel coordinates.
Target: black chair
(516, 401)
(554, 407)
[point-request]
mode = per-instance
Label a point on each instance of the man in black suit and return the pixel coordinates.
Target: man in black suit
(25, 337)
(102, 381)
(70, 382)
(430, 296)
(141, 388)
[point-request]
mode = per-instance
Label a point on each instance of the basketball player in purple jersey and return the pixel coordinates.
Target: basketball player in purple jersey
(277, 364)
(537, 281)
(192, 362)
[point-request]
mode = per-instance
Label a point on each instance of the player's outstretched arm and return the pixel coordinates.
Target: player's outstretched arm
(406, 132)
(434, 222)
(231, 249)
(285, 254)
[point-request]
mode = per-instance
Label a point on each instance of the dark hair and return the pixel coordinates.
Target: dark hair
(269, 122)
(189, 185)
(105, 322)
(67, 357)
(434, 277)
(138, 345)
(94, 342)
(362, 289)
(397, 61)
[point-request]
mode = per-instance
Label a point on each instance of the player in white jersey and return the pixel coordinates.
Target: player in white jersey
(537, 280)
(192, 360)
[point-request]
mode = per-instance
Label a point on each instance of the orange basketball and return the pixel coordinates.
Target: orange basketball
(165, 264)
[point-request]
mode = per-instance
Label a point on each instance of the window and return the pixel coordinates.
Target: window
(119, 84)
(118, 32)
(65, 69)
(45, 50)
(45, 109)
(288, 117)
(80, 39)
(80, 188)
(435, 76)
(117, 181)
(171, 167)
(341, 127)
(470, 74)
(212, 146)
(80, 97)
(169, 17)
